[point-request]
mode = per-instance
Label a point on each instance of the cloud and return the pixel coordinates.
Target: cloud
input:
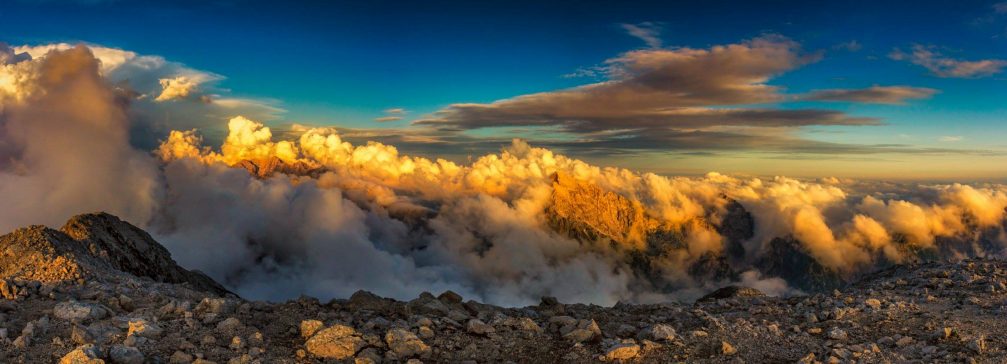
(671, 99)
(951, 138)
(892, 95)
(489, 216)
(180, 88)
(167, 95)
(943, 66)
(648, 32)
(396, 224)
(64, 145)
(393, 114)
(1000, 8)
(659, 84)
(850, 46)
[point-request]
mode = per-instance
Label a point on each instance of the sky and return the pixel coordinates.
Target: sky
(861, 89)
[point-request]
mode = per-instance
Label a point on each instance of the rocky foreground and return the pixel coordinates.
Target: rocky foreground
(102, 291)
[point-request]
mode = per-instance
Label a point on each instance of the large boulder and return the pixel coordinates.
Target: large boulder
(337, 342)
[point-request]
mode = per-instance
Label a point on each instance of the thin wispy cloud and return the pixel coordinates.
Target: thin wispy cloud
(944, 66)
(891, 95)
(951, 138)
(393, 114)
(851, 46)
(1000, 8)
(648, 32)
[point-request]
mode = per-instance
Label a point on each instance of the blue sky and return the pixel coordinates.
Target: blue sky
(343, 63)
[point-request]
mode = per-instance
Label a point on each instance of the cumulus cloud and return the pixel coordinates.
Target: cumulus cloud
(488, 215)
(64, 145)
(943, 66)
(648, 32)
(378, 219)
(162, 93)
(180, 88)
(892, 95)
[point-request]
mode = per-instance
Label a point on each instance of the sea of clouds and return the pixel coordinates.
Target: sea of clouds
(88, 128)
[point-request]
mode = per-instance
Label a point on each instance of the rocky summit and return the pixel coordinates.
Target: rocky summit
(100, 290)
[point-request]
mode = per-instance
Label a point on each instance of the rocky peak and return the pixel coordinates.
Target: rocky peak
(92, 246)
(585, 211)
(264, 168)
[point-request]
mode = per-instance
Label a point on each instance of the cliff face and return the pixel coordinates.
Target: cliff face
(92, 246)
(588, 213)
(264, 168)
(584, 211)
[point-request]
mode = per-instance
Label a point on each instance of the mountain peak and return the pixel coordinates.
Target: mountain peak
(92, 246)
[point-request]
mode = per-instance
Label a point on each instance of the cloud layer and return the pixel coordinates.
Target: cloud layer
(373, 218)
(680, 98)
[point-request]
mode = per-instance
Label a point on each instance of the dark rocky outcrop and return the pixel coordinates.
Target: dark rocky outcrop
(90, 246)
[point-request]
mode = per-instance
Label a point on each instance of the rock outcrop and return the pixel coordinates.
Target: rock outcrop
(264, 168)
(89, 246)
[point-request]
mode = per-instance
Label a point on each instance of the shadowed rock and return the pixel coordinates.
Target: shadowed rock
(731, 292)
(91, 246)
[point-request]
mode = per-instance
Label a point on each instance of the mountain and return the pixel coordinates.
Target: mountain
(264, 168)
(92, 246)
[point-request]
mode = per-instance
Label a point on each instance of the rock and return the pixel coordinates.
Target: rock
(838, 334)
(219, 306)
(179, 357)
(237, 343)
(622, 351)
(477, 327)
(78, 311)
(368, 356)
(229, 326)
(120, 354)
(660, 332)
(904, 341)
(426, 303)
(450, 297)
(337, 342)
(405, 344)
(310, 327)
(978, 345)
(873, 303)
(426, 332)
(528, 325)
(731, 292)
(144, 328)
(80, 335)
(84, 354)
(727, 349)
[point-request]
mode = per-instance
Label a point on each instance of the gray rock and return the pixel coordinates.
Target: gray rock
(477, 327)
(120, 354)
(79, 311)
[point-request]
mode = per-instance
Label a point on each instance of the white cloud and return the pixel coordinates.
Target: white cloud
(951, 138)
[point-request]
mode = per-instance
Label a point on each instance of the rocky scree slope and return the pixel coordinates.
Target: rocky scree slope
(101, 291)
